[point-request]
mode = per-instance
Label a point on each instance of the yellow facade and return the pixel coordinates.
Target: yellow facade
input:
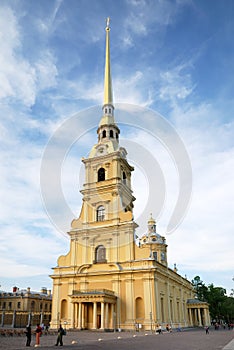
(21, 307)
(107, 281)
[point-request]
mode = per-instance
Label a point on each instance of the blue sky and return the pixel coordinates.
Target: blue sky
(174, 57)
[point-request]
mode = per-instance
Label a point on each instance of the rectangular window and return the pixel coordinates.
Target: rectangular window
(19, 305)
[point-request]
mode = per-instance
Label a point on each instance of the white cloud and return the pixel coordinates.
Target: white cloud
(46, 71)
(20, 80)
(133, 91)
(142, 15)
(202, 244)
(33, 254)
(48, 24)
(176, 84)
(17, 77)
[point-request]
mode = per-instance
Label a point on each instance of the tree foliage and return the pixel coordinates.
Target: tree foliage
(221, 306)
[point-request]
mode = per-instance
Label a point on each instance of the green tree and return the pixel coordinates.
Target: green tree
(216, 297)
(220, 305)
(200, 288)
(228, 309)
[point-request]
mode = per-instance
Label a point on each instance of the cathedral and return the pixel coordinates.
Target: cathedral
(108, 281)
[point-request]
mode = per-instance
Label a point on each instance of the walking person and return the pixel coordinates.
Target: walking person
(38, 334)
(60, 336)
(207, 329)
(28, 334)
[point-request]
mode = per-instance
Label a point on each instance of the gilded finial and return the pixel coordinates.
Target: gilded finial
(108, 23)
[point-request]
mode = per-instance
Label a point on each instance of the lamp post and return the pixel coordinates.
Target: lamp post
(65, 323)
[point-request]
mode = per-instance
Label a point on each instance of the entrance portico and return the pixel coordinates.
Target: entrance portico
(94, 309)
(198, 313)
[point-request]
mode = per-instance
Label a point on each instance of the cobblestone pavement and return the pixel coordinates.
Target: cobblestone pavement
(85, 340)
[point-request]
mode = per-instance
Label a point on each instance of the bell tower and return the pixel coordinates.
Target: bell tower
(106, 215)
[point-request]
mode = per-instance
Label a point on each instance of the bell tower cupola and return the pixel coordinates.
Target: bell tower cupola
(154, 242)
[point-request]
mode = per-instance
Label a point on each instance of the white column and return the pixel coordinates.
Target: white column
(116, 288)
(14, 317)
(190, 317)
(102, 315)
(83, 316)
(95, 315)
(75, 315)
(80, 316)
(3, 316)
(107, 316)
(199, 317)
(207, 317)
(41, 318)
(112, 325)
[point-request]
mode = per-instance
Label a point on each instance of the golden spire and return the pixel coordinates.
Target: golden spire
(108, 96)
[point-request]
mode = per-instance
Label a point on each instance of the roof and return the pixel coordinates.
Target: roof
(195, 301)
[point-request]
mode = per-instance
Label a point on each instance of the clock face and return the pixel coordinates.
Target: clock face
(101, 151)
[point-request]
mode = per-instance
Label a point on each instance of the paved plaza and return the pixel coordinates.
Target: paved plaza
(87, 340)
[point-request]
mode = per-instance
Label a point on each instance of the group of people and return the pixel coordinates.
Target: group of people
(38, 331)
(28, 333)
(158, 328)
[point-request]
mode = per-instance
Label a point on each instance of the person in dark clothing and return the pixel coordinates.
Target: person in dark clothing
(28, 334)
(60, 336)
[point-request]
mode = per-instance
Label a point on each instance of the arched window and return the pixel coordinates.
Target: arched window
(104, 134)
(124, 177)
(111, 134)
(101, 213)
(33, 305)
(101, 174)
(100, 254)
